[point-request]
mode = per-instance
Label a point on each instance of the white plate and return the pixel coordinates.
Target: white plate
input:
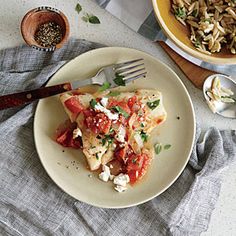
(67, 167)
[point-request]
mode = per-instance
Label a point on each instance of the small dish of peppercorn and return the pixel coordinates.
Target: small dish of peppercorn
(45, 28)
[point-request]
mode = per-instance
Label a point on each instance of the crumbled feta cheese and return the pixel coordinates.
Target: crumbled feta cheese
(120, 189)
(105, 174)
(104, 101)
(76, 133)
(121, 179)
(120, 136)
(107, 112)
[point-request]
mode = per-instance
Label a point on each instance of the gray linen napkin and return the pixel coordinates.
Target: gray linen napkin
(140, 17)
(31, 204)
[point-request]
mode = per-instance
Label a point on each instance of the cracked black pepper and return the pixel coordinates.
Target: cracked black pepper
(48, 34)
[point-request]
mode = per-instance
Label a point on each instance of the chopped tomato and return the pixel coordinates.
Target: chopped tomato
(137, 166)
(66, 139)
(98, 124)
(132, 101)
(132, 176)
(122, 104)
(122, 120)
(134, 104)
(121, 153)
(116, 167)
(89, 112)
(74, 105)
(159, 120)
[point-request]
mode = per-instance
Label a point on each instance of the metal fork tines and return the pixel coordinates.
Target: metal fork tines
(131, 70)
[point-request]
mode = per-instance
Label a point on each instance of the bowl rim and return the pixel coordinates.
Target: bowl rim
(192, 52)
(45, 9)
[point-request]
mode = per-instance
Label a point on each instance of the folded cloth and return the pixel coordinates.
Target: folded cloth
(31, 204)
(140, 17)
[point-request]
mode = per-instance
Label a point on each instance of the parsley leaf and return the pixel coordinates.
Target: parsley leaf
(195, 13)
(167, 146)
(78, 8)
(93, 103)
(105, 86)
(120, 111)
(85, 18)
(114, 93)
(158, 148)
(154, 104)
(97, 157)
(180, 12)
(119, 80)
(144, 136)
(107, 139)
(91, 19)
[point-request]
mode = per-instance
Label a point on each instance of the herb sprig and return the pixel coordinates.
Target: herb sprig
(158, 147)
(114, 93)
(120, 111)
(87, 17)
(93, 103)
(154, 104)
(107, 139)
(78, 8)
(144, 136)
(91, 18)
(119, 80)
(105, 86)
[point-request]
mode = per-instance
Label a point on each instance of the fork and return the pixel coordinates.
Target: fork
(112, 75)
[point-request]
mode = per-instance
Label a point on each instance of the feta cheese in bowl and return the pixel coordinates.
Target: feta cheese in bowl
(219, 92)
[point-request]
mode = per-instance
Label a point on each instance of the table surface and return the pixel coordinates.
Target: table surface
(113, 33)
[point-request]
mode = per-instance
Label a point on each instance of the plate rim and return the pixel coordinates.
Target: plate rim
(189, 151)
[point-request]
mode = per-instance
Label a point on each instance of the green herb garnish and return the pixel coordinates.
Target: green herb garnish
(207, 20)
(154, 104)
(180, 12)
(119, 80)
(120, 111)
(105, 86)
(197, 43)
(107, 139)
(134, 161)
(144, 136)
(114, 93)
(111, 130)
(93, 103)
(167, 146)
(158, 148)
(91, 19)
(195, 13)
(97, 157)
(78, 8)
(142, 125)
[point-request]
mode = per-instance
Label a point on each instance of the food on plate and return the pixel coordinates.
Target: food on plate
(212, 23)
(113, 130)
(217, 94)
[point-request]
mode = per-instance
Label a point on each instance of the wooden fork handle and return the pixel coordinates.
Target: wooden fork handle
(18, 99)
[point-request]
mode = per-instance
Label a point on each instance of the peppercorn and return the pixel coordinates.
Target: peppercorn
(48, 34)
